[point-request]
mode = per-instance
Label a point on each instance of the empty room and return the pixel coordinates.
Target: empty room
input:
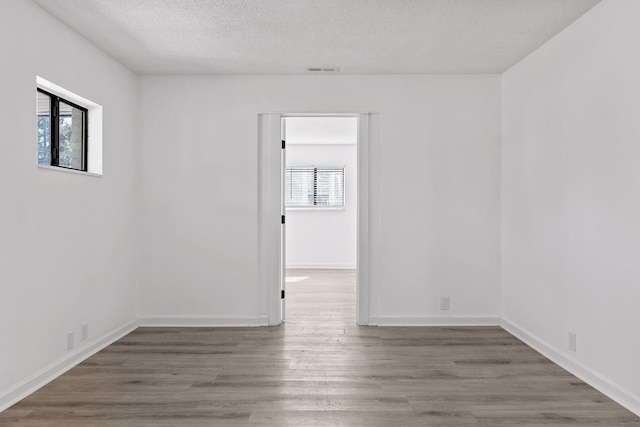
(162, 214)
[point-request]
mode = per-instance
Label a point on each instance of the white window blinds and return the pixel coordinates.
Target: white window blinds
(314, 186)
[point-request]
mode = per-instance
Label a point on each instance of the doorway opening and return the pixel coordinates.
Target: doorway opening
(272, 235)
(320, 203)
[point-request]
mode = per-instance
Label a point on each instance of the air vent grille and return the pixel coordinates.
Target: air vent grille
(323, 69)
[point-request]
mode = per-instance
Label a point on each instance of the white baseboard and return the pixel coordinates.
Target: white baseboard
(202, 321)
(324, 266)
(44, 376)
(390, 320)
(620, 394)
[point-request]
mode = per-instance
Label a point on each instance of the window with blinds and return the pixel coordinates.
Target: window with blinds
(314, 187)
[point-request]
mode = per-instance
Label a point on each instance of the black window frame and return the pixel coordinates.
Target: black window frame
(54, 109)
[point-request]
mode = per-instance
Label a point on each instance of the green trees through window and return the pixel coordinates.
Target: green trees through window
(62, 132)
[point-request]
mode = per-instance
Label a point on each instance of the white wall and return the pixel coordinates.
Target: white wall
(439, 183)
(324, 238)
(66, 240)
(571, 197)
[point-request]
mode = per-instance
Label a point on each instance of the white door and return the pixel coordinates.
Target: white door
(283, 226)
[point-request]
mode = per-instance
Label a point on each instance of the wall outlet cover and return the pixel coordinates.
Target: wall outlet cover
(84, 331)
(445, 303)
(70, 341)
(572, 341)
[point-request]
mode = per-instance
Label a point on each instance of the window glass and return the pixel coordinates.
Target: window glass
(71, 136)
(62, 132)
(330, 187)
(314, 187)
(44, 128)
(299, 186)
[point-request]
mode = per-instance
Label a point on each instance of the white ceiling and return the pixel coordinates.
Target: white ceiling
(287, 36)
(321, 130)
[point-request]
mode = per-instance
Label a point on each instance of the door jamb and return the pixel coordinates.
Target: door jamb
(269, 204)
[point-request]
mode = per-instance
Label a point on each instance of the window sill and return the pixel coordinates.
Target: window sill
(340, 208)
(77, 172)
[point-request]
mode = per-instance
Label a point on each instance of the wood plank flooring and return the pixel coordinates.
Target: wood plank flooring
(318, 369)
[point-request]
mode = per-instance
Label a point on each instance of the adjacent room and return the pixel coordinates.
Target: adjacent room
(320, 207)
(222, 212)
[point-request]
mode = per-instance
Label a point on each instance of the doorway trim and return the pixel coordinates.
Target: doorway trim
(269, 206)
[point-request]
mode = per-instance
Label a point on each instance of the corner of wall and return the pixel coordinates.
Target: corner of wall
(601, 383)
(47, 374)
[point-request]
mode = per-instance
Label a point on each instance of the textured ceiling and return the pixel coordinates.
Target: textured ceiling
(287, 36)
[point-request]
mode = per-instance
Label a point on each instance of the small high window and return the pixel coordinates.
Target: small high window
(314, 187)
(62, 132)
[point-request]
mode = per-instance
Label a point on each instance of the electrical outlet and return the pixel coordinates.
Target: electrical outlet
(84, 331)
(445, 303)
(572, 341)
(70, 341)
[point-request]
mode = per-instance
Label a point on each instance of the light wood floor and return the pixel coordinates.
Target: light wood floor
(317, 369)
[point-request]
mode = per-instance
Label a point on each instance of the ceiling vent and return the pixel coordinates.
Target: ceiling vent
(323, 69)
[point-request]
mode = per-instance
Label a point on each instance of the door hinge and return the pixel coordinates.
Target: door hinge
(283, 144)
(282, 219)
(282, 294)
